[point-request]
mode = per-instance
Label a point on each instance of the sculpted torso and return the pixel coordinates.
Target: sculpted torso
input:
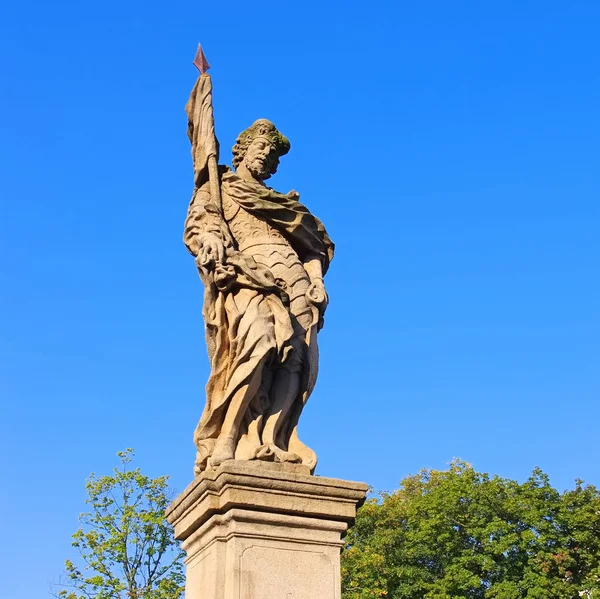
(261, 256)
(269, 248)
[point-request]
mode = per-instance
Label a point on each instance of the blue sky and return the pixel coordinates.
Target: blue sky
(452, 151)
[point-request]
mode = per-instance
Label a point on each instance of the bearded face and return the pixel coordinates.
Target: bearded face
(259, 158)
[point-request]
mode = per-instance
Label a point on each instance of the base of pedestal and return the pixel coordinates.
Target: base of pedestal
(254, 530)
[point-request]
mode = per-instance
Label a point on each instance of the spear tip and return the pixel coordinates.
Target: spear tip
(200, 61)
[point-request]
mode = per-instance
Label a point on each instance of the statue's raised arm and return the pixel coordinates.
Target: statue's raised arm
(262, 257)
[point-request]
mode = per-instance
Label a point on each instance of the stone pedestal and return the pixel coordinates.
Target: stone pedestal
(255, 530)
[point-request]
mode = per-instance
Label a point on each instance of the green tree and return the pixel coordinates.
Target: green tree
(461, 533)
(126, 548)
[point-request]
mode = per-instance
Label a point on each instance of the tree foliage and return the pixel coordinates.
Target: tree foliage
(461, 533)
(126, 548)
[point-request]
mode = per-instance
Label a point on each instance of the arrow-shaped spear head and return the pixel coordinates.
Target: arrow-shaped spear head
(200, 61)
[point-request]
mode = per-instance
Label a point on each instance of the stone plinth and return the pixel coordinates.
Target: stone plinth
(255, 530)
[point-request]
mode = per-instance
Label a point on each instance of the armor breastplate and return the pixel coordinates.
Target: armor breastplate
(273, 251)
(247, 229)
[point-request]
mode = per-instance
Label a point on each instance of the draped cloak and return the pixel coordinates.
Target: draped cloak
(245, 311)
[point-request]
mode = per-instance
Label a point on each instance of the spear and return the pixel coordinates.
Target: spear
(201, 130)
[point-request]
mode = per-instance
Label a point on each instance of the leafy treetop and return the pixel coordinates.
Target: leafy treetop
(126, 548)
(461, 533)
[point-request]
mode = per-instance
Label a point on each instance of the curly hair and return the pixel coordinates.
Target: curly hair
(261, 128)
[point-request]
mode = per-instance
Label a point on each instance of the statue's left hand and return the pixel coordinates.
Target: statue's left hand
(317, 295)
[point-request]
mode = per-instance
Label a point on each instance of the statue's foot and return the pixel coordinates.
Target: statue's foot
(224, 450)
(205, 448)
(269, 452)
(307, 456)
(287, 456)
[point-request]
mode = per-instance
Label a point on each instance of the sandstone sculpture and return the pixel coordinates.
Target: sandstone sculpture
(261, 256)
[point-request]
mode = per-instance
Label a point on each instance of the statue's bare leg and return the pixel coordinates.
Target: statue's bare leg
(284, 393)
(289, 430)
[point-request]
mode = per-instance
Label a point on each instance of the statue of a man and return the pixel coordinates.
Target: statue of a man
(262, 257)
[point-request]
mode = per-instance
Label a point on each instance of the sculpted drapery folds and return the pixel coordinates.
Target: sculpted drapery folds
(261, 256)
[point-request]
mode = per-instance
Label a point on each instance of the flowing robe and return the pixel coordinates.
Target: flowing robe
(255, 307)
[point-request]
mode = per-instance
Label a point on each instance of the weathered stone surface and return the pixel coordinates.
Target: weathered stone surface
(264, 531)
(255, 523)
(262, 257)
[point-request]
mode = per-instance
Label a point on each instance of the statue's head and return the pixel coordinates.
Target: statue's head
(259, 148)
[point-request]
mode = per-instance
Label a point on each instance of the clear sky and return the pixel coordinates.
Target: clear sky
(451, 148)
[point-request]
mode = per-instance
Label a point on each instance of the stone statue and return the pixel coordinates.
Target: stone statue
(249, 528)
(262, 256)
